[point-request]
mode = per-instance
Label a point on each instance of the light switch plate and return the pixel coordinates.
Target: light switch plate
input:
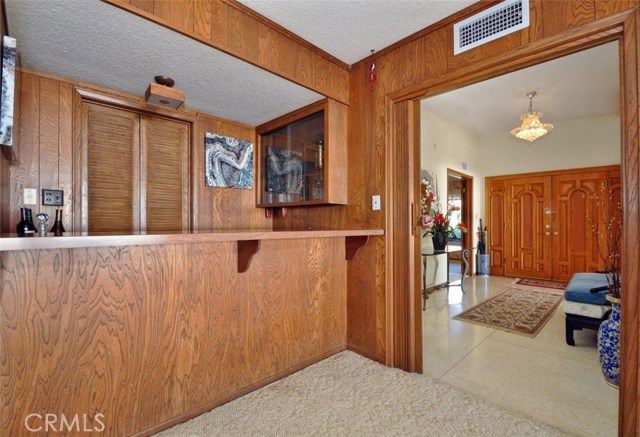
(52, 197)
(30, 196)
(375, 202)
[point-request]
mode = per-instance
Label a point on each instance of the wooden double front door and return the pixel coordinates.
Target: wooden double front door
(542, 225)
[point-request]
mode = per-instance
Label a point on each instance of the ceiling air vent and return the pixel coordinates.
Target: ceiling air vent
(490, 24)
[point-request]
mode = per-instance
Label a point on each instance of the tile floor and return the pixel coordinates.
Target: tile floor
(541, 377)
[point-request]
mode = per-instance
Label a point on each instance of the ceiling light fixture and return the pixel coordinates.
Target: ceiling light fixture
(531, 128)
(162, 93)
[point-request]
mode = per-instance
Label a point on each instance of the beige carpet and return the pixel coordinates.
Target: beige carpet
(348, 395)
(521, 311)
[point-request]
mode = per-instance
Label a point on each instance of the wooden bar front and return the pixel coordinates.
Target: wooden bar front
(150, 335)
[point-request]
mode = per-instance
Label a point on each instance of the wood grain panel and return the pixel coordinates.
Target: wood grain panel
(4, 196)
(610, 7)
(49, 140)
(164, 174)
(561, 15)
(145, 5)
(336, 152)
(177, 12)
(149, 335)
(25, 175)
(202, 18)
(243, 33)
(211, 205)
(219, 20)
(65, 150)
(535, 31)
(113, 149)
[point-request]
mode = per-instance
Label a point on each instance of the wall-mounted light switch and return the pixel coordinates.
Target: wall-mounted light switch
(30, 196)
(52, 197)
(375, 202)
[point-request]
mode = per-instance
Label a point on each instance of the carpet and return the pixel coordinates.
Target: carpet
(556, 285)
(349, 395)
(521, 311)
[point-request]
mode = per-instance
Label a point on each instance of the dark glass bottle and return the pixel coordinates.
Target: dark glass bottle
(58, 228)
(26, 228)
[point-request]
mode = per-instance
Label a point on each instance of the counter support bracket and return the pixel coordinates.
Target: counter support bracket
(246, 250)
(353, 244)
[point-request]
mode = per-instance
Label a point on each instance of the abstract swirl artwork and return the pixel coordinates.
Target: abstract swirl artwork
(228, 162)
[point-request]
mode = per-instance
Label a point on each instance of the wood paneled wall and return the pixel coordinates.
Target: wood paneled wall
(152, 335)
(45, 155)
(4, 196)
(235, 29)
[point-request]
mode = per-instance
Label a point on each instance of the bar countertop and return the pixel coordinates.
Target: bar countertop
(75, 240)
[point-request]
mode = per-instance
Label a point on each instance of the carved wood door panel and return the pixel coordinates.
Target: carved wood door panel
(575, 211)
(527, 240)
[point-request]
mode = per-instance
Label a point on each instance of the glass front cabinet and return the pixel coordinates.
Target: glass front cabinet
(302, 157)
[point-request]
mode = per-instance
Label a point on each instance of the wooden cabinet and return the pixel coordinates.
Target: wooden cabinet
(134, 171)
(301, 157)
(541, 225)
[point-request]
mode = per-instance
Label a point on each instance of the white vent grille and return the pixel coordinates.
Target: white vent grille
(500, 20)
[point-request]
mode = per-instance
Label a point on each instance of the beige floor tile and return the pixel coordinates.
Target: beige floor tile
(541, 377)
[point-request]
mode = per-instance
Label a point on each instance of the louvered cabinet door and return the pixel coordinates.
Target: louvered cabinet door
(110, 183)
(164, 173)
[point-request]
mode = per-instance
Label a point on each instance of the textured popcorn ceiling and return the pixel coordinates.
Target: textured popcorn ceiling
(349, 29)
(579, 85)
(97, 43)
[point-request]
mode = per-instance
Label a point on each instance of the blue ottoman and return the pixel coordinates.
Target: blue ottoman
(584, 308)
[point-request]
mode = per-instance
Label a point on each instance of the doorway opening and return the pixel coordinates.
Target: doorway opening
(467, 128)
(460, 196)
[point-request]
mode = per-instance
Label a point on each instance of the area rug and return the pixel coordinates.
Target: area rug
(514, 310)
(556, 285)
(349, 395)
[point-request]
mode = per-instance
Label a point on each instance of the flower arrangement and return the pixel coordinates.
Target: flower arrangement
(609, 238)
(433, 219)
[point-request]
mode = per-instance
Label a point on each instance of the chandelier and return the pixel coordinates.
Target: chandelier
(531, 128)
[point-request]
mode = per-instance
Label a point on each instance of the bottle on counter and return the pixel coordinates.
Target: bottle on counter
(26, 228)
(320, 157)
(57, 229)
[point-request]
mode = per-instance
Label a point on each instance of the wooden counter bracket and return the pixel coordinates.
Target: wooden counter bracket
(353, 244)
(246, 250)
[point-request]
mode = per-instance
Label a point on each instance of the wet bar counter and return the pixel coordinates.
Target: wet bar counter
(140, 332)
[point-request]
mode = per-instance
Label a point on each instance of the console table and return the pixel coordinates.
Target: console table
(448, 251)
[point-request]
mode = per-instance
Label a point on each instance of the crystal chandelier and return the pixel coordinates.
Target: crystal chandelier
(531, 128)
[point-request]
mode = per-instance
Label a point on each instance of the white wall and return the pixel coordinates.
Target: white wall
(447, 145)
(583, 142)
(577, 143)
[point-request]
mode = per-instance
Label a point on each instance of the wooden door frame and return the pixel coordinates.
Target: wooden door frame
(622, 27)
(467, 218)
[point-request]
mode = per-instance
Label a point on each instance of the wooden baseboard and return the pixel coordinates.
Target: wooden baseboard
(256, 385)
(365, 354)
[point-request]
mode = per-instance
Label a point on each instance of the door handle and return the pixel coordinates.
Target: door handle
(547, 233)
(547, 226)
(556, 233)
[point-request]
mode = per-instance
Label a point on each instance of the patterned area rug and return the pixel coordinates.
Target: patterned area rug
(556, 285)
(514, 310)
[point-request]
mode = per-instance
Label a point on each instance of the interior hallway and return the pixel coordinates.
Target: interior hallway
(540, 377)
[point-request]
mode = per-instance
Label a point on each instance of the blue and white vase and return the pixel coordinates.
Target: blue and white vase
(609, 344)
